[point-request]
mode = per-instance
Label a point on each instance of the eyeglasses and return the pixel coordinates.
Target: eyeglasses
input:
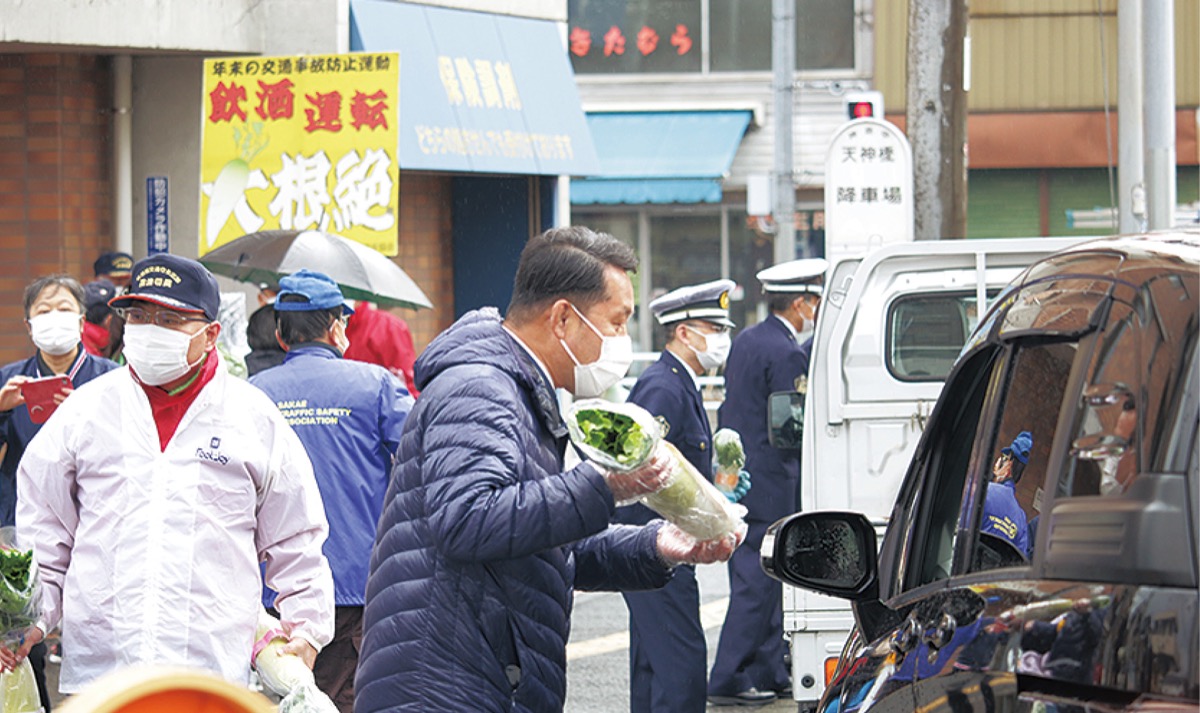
(163, 318)
(1002, 460)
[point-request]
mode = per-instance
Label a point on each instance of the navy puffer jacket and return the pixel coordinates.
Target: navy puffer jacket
(484, 537)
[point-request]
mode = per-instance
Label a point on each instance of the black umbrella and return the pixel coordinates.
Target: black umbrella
(362, 273)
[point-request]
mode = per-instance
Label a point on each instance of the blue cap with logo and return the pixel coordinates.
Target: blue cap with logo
(318, 290)
(797, 276)
(173, 282)
(708, 302)
(1020, 447)
(117, 264)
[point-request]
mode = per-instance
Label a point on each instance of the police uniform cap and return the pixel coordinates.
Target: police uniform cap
(708, 302)
(797, 276)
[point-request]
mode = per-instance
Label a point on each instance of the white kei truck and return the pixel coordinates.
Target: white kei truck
(890, 327)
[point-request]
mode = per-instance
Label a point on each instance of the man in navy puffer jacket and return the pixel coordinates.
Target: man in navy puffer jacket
(483, 536)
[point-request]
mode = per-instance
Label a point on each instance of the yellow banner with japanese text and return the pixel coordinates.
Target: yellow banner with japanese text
(299, 143)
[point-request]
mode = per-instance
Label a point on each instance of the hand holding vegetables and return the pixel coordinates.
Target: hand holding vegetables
(677, 547)
(622, 438)
(648, 478)
(739, 491)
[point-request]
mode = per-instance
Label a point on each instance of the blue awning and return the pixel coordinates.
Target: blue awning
(479, 92)
(661, 157)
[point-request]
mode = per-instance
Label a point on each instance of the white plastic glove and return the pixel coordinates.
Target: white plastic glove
(650, 478)
(677, 547)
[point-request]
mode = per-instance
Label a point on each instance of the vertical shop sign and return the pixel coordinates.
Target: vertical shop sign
(158, 233)
(300, 143)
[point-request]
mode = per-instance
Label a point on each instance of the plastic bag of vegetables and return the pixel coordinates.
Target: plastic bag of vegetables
(622, 436)
(285, 674)
(730, 459)
(20, 606)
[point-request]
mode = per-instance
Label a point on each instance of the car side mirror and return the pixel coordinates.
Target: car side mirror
(830, 552)
(785, 419)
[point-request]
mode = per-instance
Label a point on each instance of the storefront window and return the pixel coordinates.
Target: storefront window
(665, 36)
(685, 250)
(634, 36)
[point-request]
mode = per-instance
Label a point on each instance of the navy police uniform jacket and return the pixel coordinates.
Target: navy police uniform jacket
(349, 416)
(667, 391)
(764, 359)
(484, 538)
(17, 428)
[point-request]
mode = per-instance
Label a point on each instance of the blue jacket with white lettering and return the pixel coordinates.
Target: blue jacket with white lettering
(349, 416)
(484, 538)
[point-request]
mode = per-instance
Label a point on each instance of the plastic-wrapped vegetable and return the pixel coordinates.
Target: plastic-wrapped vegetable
(730, 457)
(20, 605)
(622, 437)
(286, 675)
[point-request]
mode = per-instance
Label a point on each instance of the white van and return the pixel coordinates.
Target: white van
(891, 326)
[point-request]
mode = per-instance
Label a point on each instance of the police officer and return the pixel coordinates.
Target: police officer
(667, 652)
(770, 356)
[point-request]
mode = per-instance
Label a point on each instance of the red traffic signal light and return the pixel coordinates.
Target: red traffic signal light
(860, 109)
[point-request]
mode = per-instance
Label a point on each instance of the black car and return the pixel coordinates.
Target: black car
(1042, 552)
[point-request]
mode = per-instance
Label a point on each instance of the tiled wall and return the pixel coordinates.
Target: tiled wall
(55, 194)
(426, 247)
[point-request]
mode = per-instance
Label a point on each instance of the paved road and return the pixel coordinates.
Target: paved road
(598, 654)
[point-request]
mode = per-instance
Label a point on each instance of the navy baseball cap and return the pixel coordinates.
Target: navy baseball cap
(318, 290)
(98, 292)
(173, 282)
(1020, 447)
(117, 264)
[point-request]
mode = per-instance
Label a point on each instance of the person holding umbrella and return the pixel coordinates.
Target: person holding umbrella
(350, 425)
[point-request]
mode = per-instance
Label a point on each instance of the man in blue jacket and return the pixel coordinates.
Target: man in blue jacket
(349, 416)
(1003, 515)
(668, 656)
(484, 535)
(771, 356)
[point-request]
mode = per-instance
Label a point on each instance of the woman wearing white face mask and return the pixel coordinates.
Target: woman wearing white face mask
(54, 318)
(667, 673)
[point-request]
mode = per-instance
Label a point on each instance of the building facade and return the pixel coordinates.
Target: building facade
(101, 97)
(694, 73)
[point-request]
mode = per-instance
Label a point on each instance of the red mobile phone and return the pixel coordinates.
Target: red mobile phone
(39, 395)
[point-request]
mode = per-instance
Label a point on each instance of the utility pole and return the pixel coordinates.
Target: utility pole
(1159, 66)
(937, 116)
(783, 65)
(1131, 170)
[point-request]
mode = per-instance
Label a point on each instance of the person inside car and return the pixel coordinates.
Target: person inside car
(1002, 513)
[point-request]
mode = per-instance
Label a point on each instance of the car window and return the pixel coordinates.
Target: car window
(931, 500)
(1012, 473)
(926, 333)
(1138, 410)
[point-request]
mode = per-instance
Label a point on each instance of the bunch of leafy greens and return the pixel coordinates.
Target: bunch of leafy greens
(728, 445)
(16, 589)
(616, 434)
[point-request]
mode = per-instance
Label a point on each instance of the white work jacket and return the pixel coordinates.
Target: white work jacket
(151, 556)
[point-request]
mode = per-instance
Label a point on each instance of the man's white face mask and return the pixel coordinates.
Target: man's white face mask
(616, 356)
(158, 355)
(716, 348)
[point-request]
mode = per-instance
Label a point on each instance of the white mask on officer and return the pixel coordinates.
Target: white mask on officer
(616, 356)
(55, 333)
(716, 348)
(158, 355)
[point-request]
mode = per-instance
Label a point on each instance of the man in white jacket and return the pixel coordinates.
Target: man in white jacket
(151, 497)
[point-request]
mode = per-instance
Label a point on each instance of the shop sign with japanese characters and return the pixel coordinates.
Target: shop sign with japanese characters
(868, 188)
(304, 142)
